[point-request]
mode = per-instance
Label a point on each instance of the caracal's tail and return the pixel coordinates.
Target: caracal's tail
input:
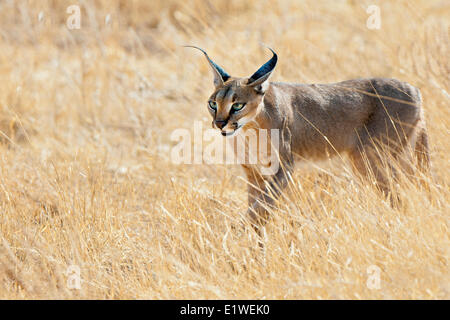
(421, 150)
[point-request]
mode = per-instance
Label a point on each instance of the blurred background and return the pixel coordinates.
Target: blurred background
(85, 173)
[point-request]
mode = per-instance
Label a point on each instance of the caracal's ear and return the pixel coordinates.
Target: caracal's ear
(220, 76)
(259, 80)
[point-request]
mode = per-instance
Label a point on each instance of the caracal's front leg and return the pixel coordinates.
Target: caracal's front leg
(264, 190)
(255, 188)
(263, 193)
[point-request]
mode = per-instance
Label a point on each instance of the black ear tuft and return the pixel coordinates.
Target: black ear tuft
(265, 70)
(220, 75)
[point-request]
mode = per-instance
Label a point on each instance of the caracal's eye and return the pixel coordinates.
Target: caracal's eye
(237, 106)
(212, 105)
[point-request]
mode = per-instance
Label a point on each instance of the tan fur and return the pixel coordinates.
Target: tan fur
(355, 117)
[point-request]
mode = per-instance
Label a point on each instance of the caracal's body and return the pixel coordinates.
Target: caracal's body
(360, 118)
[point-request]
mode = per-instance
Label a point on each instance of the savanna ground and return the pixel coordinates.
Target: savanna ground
(86, 177)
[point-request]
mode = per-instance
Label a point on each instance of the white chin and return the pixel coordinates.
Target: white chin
(230, 134)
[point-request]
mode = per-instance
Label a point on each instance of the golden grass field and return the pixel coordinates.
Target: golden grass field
(86, 177)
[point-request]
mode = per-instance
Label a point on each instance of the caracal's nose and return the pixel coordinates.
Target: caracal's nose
(220, 123)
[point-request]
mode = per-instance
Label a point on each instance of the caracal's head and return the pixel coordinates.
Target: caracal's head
(236, 102)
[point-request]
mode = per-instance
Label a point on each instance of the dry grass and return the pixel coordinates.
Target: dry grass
(86, 176)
